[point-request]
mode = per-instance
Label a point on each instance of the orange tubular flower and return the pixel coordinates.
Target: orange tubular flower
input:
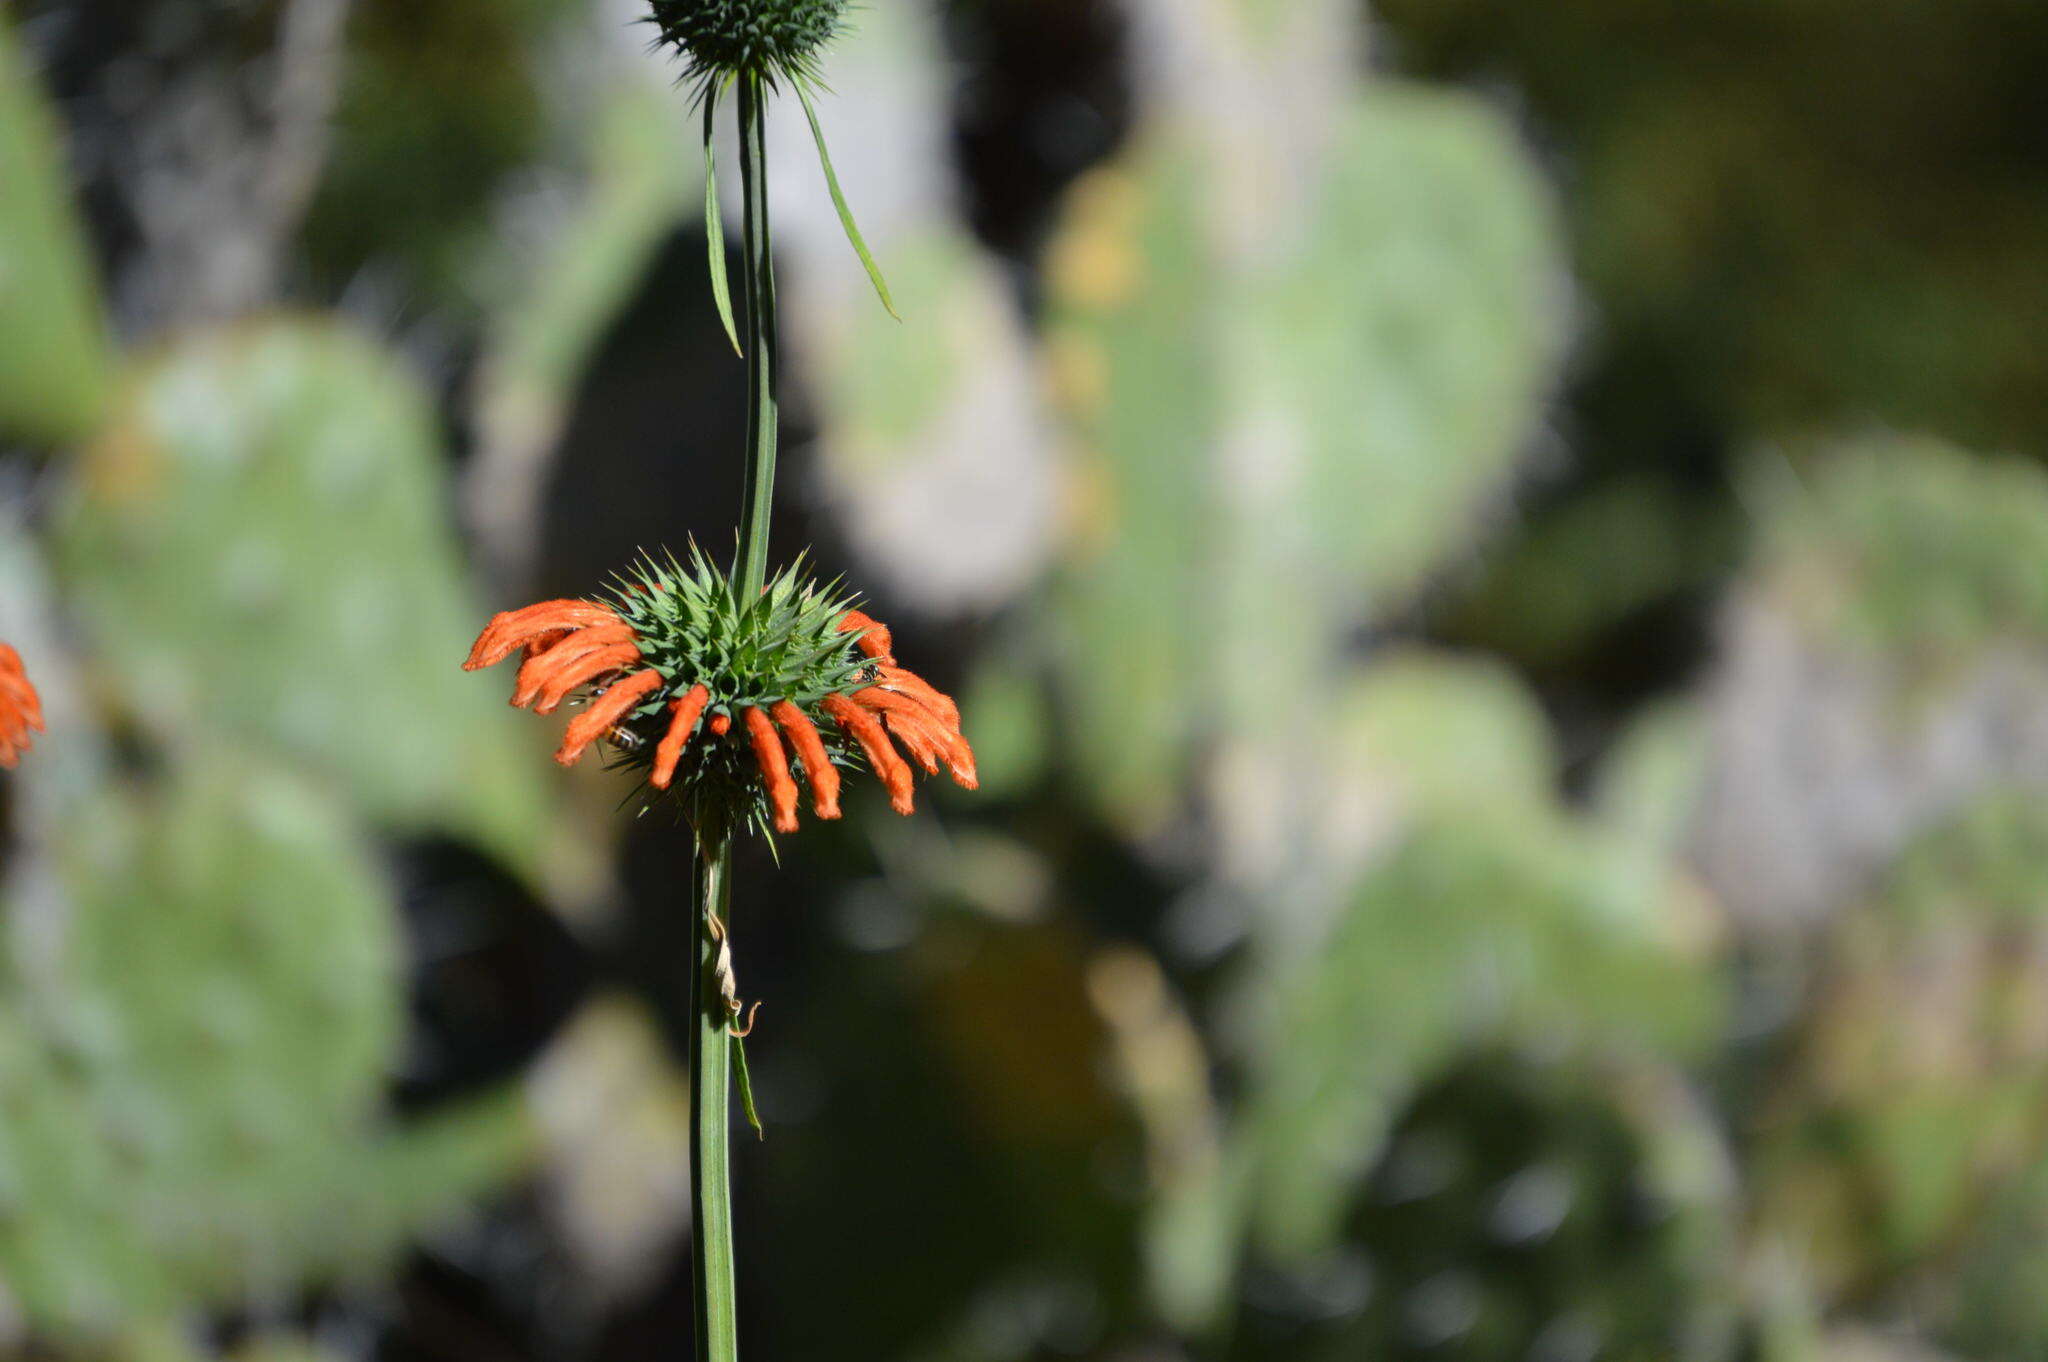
(605, 713)
(582, 670)
(866, 730)
(543, 661)
(920, 728)
(549, 620)
(810, 749)
(683, 715)
(21, 709)
(673, 661)
(875, 639)
(917, 688)
(774, 767)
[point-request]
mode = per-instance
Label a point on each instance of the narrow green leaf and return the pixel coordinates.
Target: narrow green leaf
(714, 222)
(860, 246)
(746, 1085)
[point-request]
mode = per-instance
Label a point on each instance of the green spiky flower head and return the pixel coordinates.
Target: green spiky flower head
(734, 700)
(777, 39)
(785, 644)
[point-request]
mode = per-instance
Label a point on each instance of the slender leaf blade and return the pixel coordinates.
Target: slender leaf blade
(714, 222)
(860, 245)
(746, 1084)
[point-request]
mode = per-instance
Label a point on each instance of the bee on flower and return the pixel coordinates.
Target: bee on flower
(21, 710)
(729, 705)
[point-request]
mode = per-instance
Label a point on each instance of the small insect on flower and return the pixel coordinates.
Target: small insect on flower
(21, 710)
(736, 709)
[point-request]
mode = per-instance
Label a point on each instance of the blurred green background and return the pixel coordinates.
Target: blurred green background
(1495, 555)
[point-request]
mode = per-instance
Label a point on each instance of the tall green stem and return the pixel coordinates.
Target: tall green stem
(710, 1044)
(760, 342)
(710, 1094)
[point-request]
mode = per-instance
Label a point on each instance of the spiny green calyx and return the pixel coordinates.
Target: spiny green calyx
(776, 39)
(786, 644)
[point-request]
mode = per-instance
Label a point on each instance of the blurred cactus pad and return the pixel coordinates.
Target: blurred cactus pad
(195, 1061)
(257, 536)
(1319, 417)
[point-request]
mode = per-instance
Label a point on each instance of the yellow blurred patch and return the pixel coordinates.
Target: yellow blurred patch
(1095, 263)
(123, 466)
(1088, 502)
(1077, 373)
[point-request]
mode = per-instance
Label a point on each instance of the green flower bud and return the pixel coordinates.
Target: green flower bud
(774, 39)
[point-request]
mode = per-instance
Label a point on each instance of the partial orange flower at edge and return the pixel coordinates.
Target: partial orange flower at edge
(21, 709)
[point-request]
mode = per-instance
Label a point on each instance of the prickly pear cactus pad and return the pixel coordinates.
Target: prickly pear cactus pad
(193, 1063)
(55, 362)
(1527, 1208)
(214, 1029)
(258, 546)
(1909, 548)
(1906, 1120)
(1537, 931)
(1321, 421)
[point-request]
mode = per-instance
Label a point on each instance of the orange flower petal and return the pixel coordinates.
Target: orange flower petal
(683, 716)
(774, 768)
(540, 643)
(906, 682)
(866, 729)
(21, 709)
(912, 724)
(876, 641)
(605, 711)
(582, 671)
(915, 737)
(822, 776)
(17, 693)
(511, 629)
(535, 671)
(920, 731)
